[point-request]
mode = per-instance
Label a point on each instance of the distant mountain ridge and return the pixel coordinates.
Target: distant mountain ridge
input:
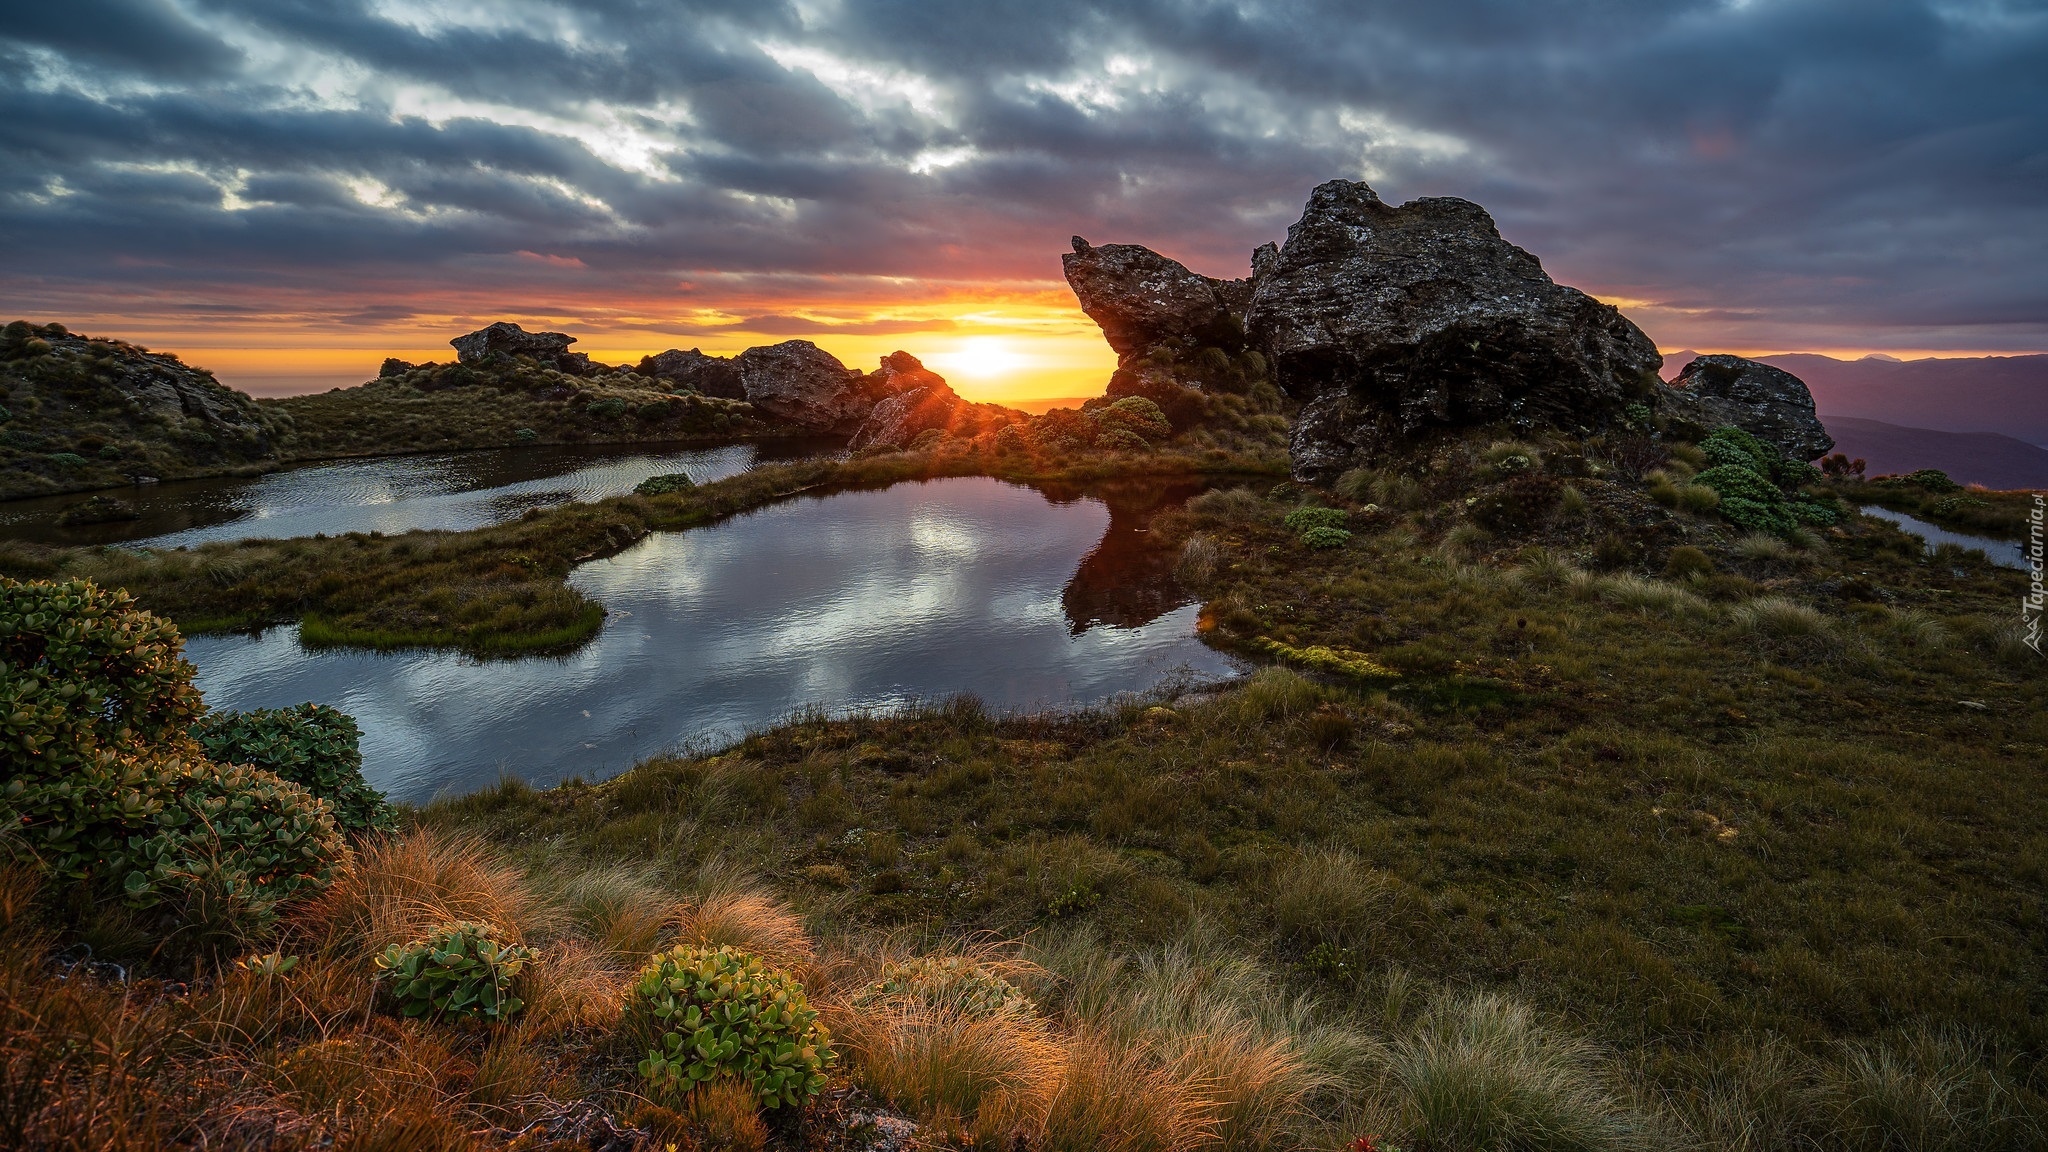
(2003, 395)
(1968, 457)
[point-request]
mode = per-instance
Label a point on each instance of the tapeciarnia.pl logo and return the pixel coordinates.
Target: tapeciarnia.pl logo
(2035, 605)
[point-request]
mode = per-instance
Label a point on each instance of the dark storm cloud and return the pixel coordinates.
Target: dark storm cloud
(1824, 172)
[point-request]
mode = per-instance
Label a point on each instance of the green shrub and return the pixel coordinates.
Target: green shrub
(664, 484)
(312, 745)
(1749, 499)
(1734, 447)
(67, 459)
(958, 983)
(524, 436)
(87, 670)
(1136, 415)
(175, 829)
(1930, 479)
(610, 409)
(459, 970)
(712, 1013)
(1122, 440)
(1322, 538)
(1303, 519)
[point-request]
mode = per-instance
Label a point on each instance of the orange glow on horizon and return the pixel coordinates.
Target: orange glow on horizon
(1012, 347)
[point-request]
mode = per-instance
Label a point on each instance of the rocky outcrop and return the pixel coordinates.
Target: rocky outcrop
(798, 382)
(1769, 403)
(694, 371)
(78, 413)
(1145, 301)
(1388, 322)
(913, 400)
(507, 339)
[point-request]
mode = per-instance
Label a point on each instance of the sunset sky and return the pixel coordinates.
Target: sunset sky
(286, 191)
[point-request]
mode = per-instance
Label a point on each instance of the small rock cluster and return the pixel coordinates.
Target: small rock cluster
(795, 382)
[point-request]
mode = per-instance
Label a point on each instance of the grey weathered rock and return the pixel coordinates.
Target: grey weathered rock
(1387, 322)
(1769, 403)
(694, 371)
(508, 339)
(163, 386)
(909, 398)
(1144, 300)
(801, 383)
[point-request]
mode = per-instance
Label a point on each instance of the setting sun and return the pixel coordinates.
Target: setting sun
(982, 359)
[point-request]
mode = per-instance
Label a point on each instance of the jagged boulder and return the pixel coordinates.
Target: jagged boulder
(1769, 403)
(694, 371)
(1145, 301)
(1389, 322)
(800, 383)
(507, 339)
(912, 399)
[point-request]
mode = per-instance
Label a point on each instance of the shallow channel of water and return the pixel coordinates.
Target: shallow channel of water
(2004, 553)
(453, 491)
(858, 600)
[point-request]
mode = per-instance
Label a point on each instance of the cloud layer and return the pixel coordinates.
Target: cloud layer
(1764, 174)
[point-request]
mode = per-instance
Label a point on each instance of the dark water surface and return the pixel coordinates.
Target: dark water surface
(2004, 553)
(858, 600)
(454, 491)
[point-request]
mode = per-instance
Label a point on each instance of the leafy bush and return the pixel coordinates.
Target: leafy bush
(1321, 538)
(107, 787)
(1930, 479)
(524, 436)
(67, 459)
(88, 670)
(1303, 519)
(1735, 447)
(957, 983)
(1122, 440)
(1749, 499)
(610, 409)
(148, 832)
(459, 970)
(312, 745)
(722, 1012)
(1134, 414)
(664, 484)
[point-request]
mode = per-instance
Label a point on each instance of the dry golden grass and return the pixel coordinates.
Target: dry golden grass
(749, 922)
(624, 911)
(399, 888)
(1114, 1098)
(575, 986)
(987, 1077)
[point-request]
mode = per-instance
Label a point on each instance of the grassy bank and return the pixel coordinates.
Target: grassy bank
(2006, 515)
(500, 589)
(449, 407)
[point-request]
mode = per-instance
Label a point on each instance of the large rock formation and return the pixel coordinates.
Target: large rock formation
(1387, 322)
(1769, 403)
(507, 339)
(694, 371)
(1145, 301)
(801, 383)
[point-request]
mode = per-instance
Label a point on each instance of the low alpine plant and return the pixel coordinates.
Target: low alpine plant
(711, 1013)
(458, 971)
